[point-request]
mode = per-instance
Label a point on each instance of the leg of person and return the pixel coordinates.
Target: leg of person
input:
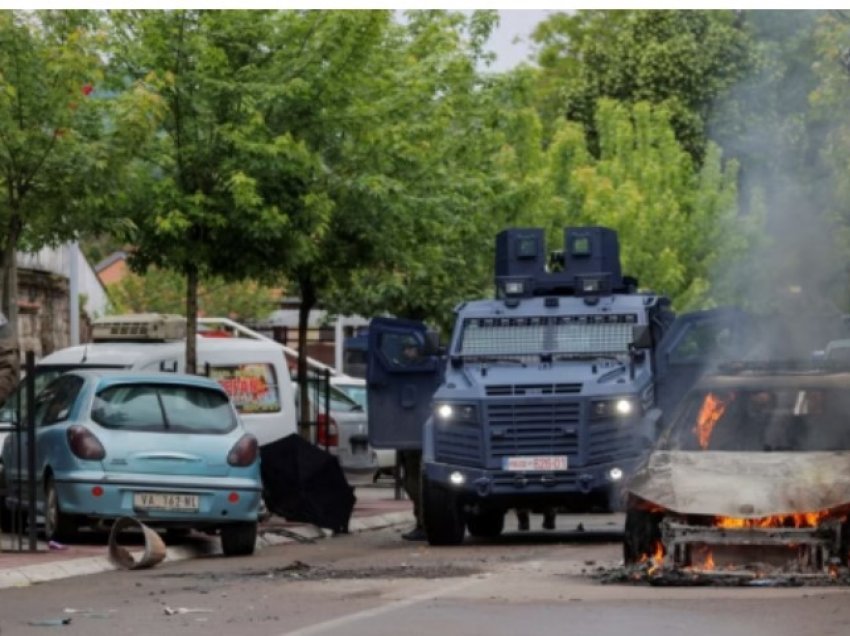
(522, 519)
(411, 461)
(549, 519)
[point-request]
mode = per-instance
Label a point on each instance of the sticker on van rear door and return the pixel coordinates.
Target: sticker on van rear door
(253, 388)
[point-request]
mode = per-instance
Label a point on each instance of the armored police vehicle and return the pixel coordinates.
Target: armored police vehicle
(547, 395)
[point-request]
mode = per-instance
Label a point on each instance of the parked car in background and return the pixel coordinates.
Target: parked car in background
(355, 388)
(344, 433)
(166, 448)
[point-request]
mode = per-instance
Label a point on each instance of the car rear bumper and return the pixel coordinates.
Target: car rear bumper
(219, 500)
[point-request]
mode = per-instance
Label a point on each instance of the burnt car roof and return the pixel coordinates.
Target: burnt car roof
(775, 380)
(750, 484)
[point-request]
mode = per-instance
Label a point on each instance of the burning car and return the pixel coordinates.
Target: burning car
(752, 476)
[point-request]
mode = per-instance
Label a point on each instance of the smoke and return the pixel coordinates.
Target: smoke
(794, 274)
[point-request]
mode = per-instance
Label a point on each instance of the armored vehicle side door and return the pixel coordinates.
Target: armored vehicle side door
(694, 344)
(402, 373)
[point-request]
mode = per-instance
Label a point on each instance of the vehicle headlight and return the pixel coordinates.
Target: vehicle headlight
(456, 412)
(617, 407)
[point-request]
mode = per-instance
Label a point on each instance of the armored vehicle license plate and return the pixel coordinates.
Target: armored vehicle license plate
(535, 463)
(165, 501)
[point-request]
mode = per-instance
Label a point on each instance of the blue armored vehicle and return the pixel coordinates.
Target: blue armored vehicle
(547, 395)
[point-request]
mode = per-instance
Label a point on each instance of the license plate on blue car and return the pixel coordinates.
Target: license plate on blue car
(166, 501)
(536, 463)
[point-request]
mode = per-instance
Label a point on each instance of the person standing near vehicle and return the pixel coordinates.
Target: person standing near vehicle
(411, 459)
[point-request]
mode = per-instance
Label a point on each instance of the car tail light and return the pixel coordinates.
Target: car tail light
(84, 444)
(327, 433)
(244, 452)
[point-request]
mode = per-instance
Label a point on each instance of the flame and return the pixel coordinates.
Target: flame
(702, 557)
(797, 520)
(655, 559)
(710, 413)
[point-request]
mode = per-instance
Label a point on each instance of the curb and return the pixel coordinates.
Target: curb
(43, 572)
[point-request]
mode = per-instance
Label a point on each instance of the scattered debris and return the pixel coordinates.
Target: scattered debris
(752, 575)
(169, 611)
(300, 571)
(51, 622)
(119, 555)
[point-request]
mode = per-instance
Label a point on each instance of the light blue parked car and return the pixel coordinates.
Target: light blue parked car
(168, 449)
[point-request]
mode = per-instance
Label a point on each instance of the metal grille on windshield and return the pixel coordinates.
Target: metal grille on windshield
(577, 335)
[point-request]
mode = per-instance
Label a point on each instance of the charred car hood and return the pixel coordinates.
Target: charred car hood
(744, 484)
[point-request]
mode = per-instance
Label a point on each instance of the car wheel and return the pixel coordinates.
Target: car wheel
(5, 517)
(486, 525)
(441, 515)
(239, 539)
(642, 532)
(58, 526)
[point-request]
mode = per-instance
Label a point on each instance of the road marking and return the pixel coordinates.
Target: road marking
(319, 628)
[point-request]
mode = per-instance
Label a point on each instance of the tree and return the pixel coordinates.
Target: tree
(681, 59)
(197, 208)
(65, 141)
(160, 290)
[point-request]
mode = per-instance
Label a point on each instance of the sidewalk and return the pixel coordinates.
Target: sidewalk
(376, 508)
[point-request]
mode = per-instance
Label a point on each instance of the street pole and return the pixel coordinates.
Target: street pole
(338, 342)
(74, 290)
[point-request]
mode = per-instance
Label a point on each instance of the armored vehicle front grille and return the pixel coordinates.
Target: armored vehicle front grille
(547, 428)
(533, 389)
(459, 444)
(610, 441)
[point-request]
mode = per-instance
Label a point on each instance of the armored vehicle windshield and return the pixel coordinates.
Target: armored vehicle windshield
(558, 335)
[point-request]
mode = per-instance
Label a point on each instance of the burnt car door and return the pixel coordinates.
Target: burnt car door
(694, 344)
(403, 370)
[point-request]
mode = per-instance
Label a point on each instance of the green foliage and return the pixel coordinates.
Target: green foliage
(159, 290)
(680, 59)
(677, 226)
(66, 143)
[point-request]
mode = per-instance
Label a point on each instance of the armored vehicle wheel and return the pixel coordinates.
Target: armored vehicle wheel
(487, 524)
(441, 515)
(642, 531)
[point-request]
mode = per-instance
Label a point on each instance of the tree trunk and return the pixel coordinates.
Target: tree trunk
(9, 298)
(191, 319)
(308, 301)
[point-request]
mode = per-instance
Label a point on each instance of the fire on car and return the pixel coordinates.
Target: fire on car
(751, 478)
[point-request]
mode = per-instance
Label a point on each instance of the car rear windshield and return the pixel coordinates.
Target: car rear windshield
(783, 419)
(163, 408)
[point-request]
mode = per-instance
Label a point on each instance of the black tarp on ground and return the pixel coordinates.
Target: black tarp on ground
(305, 483)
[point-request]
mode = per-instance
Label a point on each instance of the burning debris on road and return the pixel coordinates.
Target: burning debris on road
(749, 486)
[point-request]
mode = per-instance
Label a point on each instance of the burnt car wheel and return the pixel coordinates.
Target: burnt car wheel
(239, 539)
(441, 515)
(642, 532)
(58, 526)
(487, 524)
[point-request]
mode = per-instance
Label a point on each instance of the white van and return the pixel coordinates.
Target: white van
(253, 372)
